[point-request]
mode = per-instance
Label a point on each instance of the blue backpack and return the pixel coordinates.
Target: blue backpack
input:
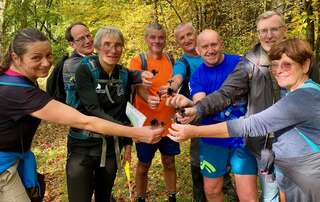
(32, 180)
(18, 81)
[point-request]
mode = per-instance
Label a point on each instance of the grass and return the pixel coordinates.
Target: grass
(50, 149)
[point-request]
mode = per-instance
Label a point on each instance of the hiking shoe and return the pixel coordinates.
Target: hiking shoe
(172, 198)
(141, 199)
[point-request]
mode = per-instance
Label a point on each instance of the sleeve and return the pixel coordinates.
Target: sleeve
(88, 98)
(195, 84)
(179, 69)
(237, 84)
(283, 115)
(135, 63)
(17, 102)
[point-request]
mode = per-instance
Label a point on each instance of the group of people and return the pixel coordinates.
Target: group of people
(269, 86)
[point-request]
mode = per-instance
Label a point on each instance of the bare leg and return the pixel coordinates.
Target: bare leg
(142, 178)
(246, 186)
(170, 175)
(213, 189)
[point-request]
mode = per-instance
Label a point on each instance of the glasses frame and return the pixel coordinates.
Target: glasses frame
(82, 39)
(272, 30)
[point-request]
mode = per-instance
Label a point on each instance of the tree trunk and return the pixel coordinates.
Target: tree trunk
(316, 70)
(310, 22)
(2, 48)
(155, 11)
(267, 5)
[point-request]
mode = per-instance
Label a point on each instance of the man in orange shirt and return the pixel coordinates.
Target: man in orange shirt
(148, 101)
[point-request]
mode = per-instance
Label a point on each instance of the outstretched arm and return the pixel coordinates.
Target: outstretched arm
(60, 113)
(236, 85)
(180, 133)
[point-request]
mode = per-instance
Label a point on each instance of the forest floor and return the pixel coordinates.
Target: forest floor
(50, 148)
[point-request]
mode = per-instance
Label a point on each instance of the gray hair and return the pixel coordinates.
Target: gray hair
(107, 31)
(269, 14)
(153, 26)
(181, 25)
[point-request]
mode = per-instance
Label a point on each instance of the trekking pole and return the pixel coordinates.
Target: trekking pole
(127, 171)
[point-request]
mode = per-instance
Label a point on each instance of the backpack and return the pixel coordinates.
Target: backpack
(184, 88)
(90, 62)
(18, 81)
(33, 181)
(144, 63)
(72, 99)
(55, 85)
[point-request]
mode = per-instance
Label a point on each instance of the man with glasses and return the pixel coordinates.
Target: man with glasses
(251, 76)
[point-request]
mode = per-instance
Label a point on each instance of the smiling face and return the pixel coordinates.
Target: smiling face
(155, 40)
(289, 73)
(36, 61)
(210, 47)
(82, 40)
(110, 50)
(270, 31)
(186, 38)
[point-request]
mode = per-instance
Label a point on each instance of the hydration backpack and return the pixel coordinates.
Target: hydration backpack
(32, 180)
(90, 62)
(144, 63)
(184, 88)
(55, 85)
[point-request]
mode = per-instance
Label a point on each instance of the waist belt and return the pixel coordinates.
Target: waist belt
(85, 135)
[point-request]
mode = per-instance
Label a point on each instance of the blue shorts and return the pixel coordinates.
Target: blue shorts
(166, 146)
(216, 160)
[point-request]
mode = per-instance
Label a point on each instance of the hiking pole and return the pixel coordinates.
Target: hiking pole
(127, 170)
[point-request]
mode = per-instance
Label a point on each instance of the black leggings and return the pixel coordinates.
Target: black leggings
(85, 176)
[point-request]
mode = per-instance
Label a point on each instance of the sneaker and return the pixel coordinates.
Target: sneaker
(172, 198)
(141, 199)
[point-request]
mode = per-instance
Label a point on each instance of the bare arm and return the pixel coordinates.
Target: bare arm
(60, 113)
(198, 96)
(180, 133)
(177, 81)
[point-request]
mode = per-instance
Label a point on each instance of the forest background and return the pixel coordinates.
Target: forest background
(233, 19)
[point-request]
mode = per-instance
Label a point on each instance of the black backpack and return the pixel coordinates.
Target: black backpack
(55, 85)
(184, 88)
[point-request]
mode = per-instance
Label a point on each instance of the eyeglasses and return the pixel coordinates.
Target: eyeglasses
(285, 66)
(272, 30)
(109, 46)
(83, 38)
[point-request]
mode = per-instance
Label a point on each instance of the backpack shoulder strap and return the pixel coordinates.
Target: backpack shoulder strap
(92, 65)
(123, 76)
(144, 62)
(187, 66)
(7, 80)
(170, 58)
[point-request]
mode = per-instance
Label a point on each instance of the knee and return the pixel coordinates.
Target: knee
(212, 189)
(143, 168)
(168, 162)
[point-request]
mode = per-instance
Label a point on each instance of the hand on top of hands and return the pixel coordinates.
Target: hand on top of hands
(179, 132)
